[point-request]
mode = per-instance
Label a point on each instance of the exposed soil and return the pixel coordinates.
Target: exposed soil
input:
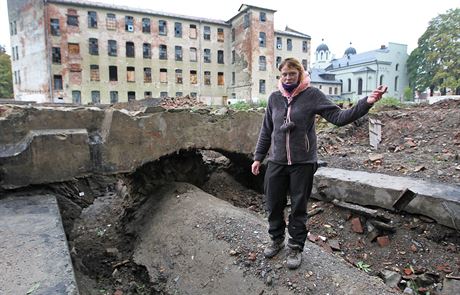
(420, 141)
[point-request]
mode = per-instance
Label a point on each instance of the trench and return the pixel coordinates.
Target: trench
(98, 222)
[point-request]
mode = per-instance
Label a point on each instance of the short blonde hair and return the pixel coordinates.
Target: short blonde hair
(291, 62)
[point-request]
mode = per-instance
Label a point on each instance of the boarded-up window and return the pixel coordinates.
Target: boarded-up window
(112, 47)
(75, 74)
(193, 77)
(178, 53)
(93, 46)
(163, 53)
(178, 76)
(129, 49)
(74, 48)
(57, 82)
(94, 72)
(163, 76)
(207, 78)
(146, 25)
(220, 79)
(147, 75)
(111, 21)
(54, 26)
(220, 56)
(207, 33)
(220, 35)
(193, 56)
(207, 55)
(92, 19)
(95, 97)
(56, 55)
(113, 96)
(193, 34)
(130, 74)
(113, 73)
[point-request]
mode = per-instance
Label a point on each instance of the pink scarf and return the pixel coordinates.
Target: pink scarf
(304, 84)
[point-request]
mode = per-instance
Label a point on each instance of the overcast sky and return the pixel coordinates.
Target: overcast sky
(366, 23)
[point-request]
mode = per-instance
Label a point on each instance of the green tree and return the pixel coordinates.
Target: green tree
(436, 60)
(6, 83)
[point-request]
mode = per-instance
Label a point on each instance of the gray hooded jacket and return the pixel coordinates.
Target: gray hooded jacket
(298, 145)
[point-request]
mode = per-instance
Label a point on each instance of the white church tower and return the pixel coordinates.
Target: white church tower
(323, 56)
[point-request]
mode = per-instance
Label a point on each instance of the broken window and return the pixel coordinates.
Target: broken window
(147, 50)
(178, 30)
(246, 20)
(93, 46)
(193, 56)
(207, 78)
(262, 39)
(131, 95)
(113, 96)
(54, 26)
(76, 97)
(163, 76)
(278, 61)
(279, 43)
(130, 49)
(56, 55)
(233, 34)
(111, 21)
(57, 82)
(147, 94)
(146, 25)
(178, 53)
(113, 73)
(162, 27)
(207, 33)
(305, 46)
(220, 56)
(129, 23)
(163, 52)
(289, 44)
(94, 73)
(193, 77)
(233, 78)
(305, 64)
(163, 94)
(179, 94)
(220, 79)
(92, 19)
(178, 76)
(130, 74)
(262, 16)
(112, 47)
(262, 63)
(95, 97)
(207, 55)
(262, 86)
(193, 33)
(220, 35)
(147, 75)
(72, 17)
(233, 56)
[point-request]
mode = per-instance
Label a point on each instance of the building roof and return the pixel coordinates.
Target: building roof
(322, 47)
(364, 69)
(350, 50)
(85, 3)
(247, 6)
(321, 76)
(355, 59)
(292, 33)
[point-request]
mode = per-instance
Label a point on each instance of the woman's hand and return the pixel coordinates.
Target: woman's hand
(377, 94)
(255, 168)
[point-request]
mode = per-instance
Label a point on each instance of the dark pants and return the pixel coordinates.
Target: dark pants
(297, 180)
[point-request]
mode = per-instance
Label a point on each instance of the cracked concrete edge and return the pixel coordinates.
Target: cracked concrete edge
(440, 202)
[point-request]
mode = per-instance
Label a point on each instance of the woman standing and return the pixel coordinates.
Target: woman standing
(288, 136)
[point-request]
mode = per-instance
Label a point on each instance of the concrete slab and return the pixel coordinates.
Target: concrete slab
(438, 201)
(34, 256)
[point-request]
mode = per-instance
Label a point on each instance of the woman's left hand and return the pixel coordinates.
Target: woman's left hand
(377, 94)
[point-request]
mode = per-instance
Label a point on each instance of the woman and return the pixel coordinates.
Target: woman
(288, 131)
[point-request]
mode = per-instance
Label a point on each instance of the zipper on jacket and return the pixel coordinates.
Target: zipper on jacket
(288, 150)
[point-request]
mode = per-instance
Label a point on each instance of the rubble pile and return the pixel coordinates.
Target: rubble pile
(183, 102)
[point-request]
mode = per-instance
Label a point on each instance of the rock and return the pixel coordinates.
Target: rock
(383, 241)
(356, 225)
(450, 287)
(375, 157)
(391, 278)
(427, 279)
(269, 280)
(408, 291)
(334, 244)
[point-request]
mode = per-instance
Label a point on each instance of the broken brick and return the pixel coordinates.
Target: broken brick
(356, 225)
(383, 241)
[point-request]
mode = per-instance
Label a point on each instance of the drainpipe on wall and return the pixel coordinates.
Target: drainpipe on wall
(50, 84)
(198, 56)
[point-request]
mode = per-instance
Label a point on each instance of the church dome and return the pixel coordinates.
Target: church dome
(322, 47)
(350, 50)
